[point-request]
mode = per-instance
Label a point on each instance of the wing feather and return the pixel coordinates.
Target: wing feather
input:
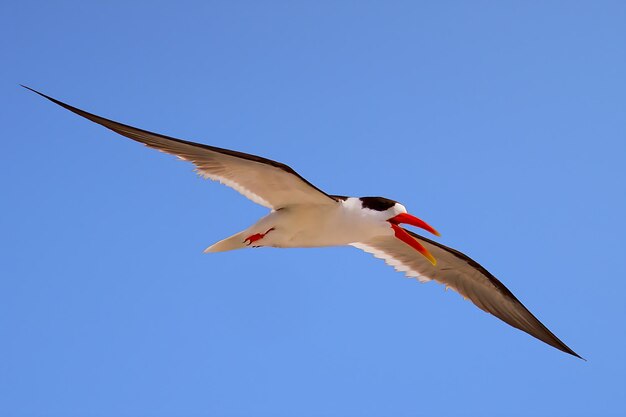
(459, 272)
(266, 182)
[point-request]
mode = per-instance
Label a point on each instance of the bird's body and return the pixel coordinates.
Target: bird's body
(302, 215)
(338, 223)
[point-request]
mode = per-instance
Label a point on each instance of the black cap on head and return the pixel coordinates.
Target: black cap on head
(377, 203)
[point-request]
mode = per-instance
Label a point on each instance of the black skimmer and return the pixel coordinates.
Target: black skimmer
(302, 215)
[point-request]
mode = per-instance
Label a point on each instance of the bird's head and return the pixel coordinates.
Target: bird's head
(396, 214)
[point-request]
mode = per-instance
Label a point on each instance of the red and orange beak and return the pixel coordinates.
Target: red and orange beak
(413, 221)
(407, 238)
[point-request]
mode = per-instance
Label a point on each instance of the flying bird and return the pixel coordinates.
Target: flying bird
(302, 215)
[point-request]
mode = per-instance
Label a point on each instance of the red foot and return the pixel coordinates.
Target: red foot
(257, 236)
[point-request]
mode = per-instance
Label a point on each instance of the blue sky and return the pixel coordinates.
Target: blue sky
(502, 124)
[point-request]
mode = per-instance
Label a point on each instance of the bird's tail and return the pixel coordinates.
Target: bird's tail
(236, 241)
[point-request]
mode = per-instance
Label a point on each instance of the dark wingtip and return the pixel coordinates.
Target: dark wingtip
(557, 343)
(564, 348)
(571, 352)
(37, 92)
(43, 95)
(28, 88)
(73, 109)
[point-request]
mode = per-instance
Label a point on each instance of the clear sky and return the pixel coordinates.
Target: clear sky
(503, 124)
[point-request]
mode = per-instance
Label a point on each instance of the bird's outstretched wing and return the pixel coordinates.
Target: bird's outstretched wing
(266, 182)
(462, 274)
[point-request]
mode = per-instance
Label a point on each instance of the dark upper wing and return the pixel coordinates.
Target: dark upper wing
(266, 182)
(464, 275)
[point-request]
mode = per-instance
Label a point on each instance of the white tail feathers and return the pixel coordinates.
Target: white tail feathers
(236, 241)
